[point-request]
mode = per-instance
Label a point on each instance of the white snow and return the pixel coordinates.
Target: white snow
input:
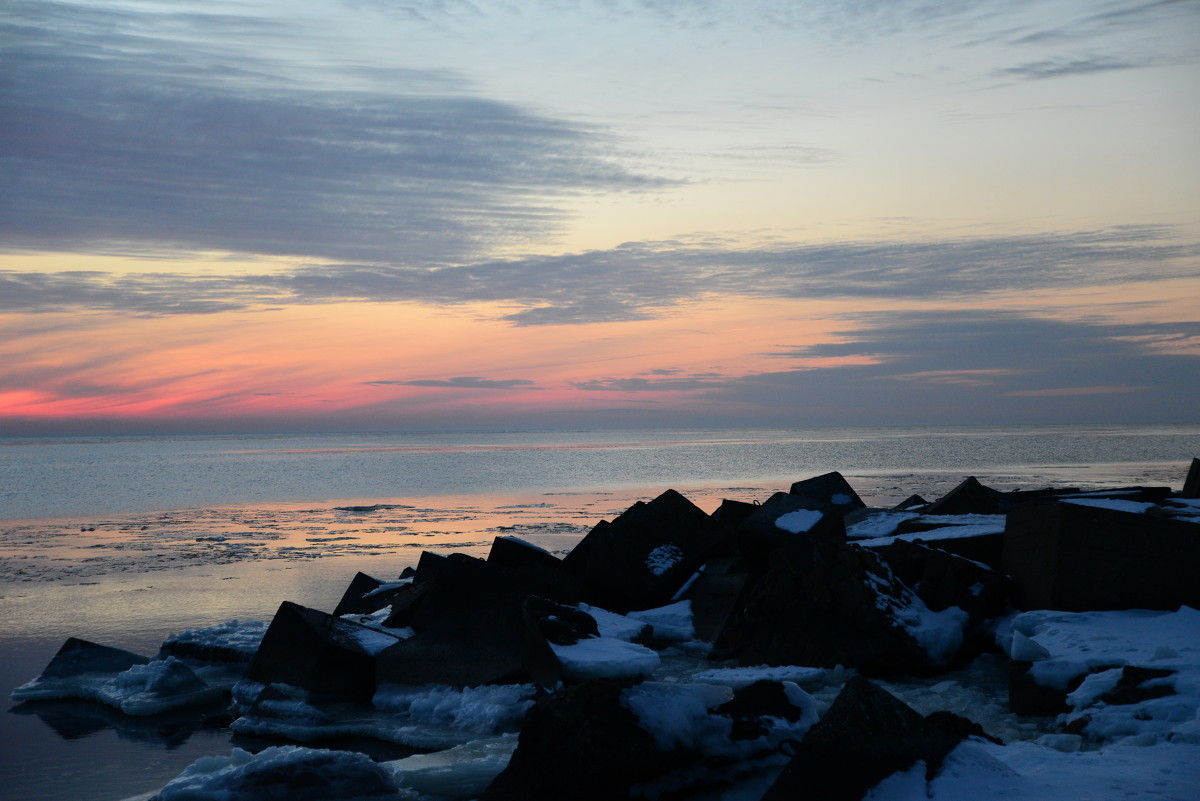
(880, 524)
(940, 634)
(1079, 643)
(462, 772)
(388, 586)
(316, 775)
(610, 624)
(370, 640)
(1135, 507)
(605, 657)
(242, 636)
(680, 717)
(949, 532)
(798, 521)
(160, 686)
(663, 558)
(677, 714)
(1028, 771)
(484, 710)
(671, 622)
(738, 677)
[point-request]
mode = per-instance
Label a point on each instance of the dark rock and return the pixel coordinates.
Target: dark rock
(333, 659)
(583, 744)
(716, 595)
(1191, 484)
(1082, 558)
(428, 566)
(827, 493)
(1130, 688)
(754, 702)
(642, 558)
(529, 570)
(405, 603)
(499, 642)
(355, 601)
(1027, 697)
(910, 504)
(825, 603)
(76, 657)
(732, 513)
(942, 579)
(508, 553)
(1011, 500)
(968, 498)
(866, 736)
(759, 536)
(561, 624)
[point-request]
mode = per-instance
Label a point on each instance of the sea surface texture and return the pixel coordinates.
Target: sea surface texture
(47, 477)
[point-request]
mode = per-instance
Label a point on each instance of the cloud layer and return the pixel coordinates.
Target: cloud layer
(127, 130)
(639, 280)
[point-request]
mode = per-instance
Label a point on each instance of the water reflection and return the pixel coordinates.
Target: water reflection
(76, 720)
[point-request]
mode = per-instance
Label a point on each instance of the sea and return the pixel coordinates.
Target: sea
(126, 540)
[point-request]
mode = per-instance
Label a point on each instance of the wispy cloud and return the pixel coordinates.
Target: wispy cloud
(645, 279)
(1063, 67)
(461, 382)
(658, 383)
(133, 129)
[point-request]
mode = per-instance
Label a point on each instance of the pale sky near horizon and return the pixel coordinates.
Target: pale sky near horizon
(391, 215)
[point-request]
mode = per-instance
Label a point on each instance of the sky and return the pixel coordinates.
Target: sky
(393, 215)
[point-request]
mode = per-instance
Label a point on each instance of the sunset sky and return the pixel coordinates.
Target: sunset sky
(335, 215)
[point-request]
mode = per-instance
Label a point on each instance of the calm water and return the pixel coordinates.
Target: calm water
(94, 476)
(159, 501)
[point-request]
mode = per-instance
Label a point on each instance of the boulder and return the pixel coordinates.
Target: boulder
(760, 534)
(580, 743)
(428, 566)
(499, 642)
(641, 558)
(942, 579)
(866, 736)
(828, 493)
(968, 498)
(78, 657)
(363, 597)
(753, 703)
(825, 603)
(1191, 484)
(333, 659)
(716, 595)
(282, 773)
(1073, 557)
(911, 504)
(732, 513)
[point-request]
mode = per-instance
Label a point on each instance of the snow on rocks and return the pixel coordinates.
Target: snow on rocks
(1116, 675)
(605, 657)
(678, 654)
(232, 642)
(281, 773)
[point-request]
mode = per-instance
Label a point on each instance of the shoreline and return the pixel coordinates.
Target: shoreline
(71, 548)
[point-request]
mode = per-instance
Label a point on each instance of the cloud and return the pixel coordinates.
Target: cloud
(127, 129)
(1063, 67)
(698, 381)
(975, 365)
(645, 279)
(461, 382)
(1061, 392)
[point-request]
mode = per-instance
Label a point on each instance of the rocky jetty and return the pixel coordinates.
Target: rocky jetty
(744, 654)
